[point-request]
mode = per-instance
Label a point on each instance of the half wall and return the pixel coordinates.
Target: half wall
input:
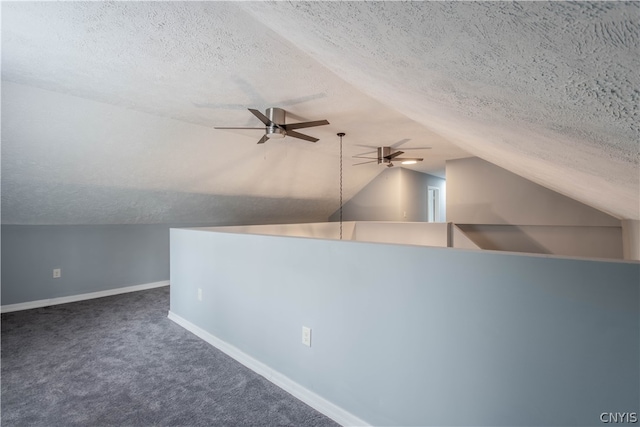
(417, 335)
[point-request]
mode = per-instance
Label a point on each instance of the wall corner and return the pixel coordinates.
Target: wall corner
(630, 239)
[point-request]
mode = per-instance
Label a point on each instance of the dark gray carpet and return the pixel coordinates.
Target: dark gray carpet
(119, 361)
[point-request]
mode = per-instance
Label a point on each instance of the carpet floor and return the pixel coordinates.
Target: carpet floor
(118, 361)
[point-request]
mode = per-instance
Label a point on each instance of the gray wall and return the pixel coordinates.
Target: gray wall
(581, 241)
(442, 337)
(479, 192)
(391, 194)
(377, 201)
(507, 212)
(413, 197)
(92, 258)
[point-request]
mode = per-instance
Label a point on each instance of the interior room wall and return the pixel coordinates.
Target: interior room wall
(396, 194)
(413, 196)
(377, 201)
(503, 211)
(479, 192)
(460, 239)
(318, 230)
(414, 335)
(405, 233)
(92, 258)
(580, 241)
(631, 239)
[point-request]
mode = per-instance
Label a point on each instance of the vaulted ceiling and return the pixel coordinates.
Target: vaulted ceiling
(108, 109)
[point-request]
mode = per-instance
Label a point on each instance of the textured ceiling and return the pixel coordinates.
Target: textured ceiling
(108, 108)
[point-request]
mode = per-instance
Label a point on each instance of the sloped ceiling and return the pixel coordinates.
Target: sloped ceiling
(108, 108)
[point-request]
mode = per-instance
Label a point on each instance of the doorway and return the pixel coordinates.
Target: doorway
(433, 204)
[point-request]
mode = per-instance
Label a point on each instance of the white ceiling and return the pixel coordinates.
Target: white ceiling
(108, 108)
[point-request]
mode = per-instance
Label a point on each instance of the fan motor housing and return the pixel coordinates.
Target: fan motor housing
(383, 152)
(277, 116)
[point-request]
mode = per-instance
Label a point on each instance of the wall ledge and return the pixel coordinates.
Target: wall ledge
(317, 402)
(80, 297)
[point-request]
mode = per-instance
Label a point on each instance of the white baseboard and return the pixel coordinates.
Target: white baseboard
(81, 297)
(317, 402)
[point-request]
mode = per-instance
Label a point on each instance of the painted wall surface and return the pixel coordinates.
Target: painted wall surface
(396, 194)
(377, 201)
(502, 211)
(460, 239)
(416, 336)
(631, 239)
(319, 230)
(479, 192)
(92, 258)
(409, 233)
(580, 241)
(406, 233)
(104, 257)
(413, 198)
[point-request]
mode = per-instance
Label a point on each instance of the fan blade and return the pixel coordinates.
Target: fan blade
(364, 163)
(301, 136)
(367, 153)
(261, 117)
(262, 129)
(305, 125)
(417, 148)
(394, 155)
(263, 139)
(365, 157)
(399, 143)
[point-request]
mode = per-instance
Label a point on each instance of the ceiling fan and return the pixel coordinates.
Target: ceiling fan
(386, 156)
(275, 126)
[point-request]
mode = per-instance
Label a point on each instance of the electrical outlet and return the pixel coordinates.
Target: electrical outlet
(57, 273)
(199, 294)
(306, 336)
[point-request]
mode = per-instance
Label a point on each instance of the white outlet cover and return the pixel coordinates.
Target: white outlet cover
(57, 273)
(199, 294)
(306, 336)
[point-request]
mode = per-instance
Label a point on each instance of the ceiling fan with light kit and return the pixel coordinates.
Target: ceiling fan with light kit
(275, 125)
(386, 155)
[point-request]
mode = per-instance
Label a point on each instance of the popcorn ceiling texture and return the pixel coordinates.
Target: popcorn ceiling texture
(547, 90)
(106, 106)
